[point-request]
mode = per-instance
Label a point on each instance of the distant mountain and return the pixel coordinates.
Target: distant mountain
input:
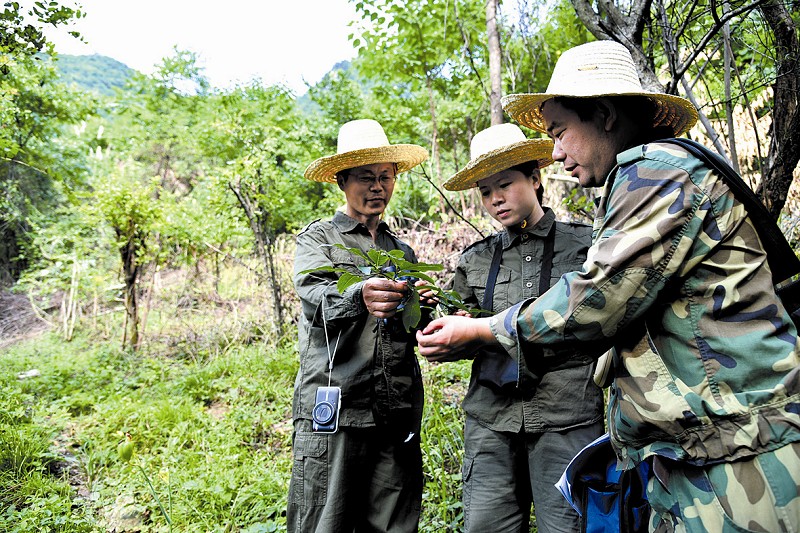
(304, 101)
(97, 73)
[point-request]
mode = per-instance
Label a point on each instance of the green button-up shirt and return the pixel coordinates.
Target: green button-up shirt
(374, 364)
(563, 398)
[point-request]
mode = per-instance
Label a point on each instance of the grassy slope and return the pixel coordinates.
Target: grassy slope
(208, 410)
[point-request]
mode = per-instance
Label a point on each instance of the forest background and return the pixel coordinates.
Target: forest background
(147, 317)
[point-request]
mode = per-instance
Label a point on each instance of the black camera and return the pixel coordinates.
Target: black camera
(325, 415)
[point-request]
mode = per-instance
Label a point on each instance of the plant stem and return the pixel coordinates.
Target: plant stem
(158, 500)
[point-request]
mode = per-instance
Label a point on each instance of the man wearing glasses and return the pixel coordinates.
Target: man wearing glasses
(358, 394)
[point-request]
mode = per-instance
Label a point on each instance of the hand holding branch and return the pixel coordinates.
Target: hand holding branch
(451, 338)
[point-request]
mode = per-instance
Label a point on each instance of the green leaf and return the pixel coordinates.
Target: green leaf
(412, 312)
(377, 257)
(346, 280)
(324, 268)
(426, 266)
(428, 279)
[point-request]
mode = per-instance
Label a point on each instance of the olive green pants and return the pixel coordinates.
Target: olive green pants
(358, 479)
(504, 473)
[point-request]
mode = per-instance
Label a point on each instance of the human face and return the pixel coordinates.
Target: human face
(368, 190)
(587, 148)
(510, 198)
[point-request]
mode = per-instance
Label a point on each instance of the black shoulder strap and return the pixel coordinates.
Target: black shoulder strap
(782, 260)
(547, 260)
(544, 277)
(494, 268)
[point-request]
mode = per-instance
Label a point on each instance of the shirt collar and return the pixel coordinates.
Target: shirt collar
(538, 230)
(345, 224)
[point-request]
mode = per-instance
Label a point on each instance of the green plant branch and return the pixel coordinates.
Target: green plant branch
(450, 205)
(158, 500)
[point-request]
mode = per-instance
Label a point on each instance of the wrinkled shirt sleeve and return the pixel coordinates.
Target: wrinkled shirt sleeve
(644, 234)
(316, 287)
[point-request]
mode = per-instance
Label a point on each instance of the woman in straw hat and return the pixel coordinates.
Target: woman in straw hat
(358, 394)
(520, 432)
(713, 405)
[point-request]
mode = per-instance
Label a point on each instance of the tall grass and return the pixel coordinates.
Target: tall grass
(207, 405)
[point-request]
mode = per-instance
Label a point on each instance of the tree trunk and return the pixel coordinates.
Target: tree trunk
(434, 130)
(265, 249)
(495, 106)
(130, 272)
(784, 146)
(728, 62)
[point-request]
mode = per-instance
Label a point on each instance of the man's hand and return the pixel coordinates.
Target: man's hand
(382, 296)
(451, 338)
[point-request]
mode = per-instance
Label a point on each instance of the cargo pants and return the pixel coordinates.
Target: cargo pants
(504, 473)
(357, 479)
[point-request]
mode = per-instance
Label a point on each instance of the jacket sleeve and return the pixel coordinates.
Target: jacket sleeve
(317, 289)
(652, 225)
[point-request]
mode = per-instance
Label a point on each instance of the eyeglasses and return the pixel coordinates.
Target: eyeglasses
(370, 179)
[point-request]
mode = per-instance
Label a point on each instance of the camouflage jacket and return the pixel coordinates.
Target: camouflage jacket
(675, 253)
(374, 364)
(562, 399)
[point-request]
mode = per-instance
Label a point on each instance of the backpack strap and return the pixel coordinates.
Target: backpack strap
(782, 260)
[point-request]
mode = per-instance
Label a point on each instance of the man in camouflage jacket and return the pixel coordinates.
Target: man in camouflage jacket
(712, 395)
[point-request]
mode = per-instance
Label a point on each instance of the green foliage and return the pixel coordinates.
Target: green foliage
(392, 265)
(225, 462)
(210, 431)
(443, 446)
(39, 170)
(21, 29)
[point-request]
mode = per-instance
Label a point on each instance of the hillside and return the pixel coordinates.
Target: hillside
(97, 73)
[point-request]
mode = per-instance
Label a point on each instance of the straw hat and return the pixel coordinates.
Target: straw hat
(592, 70)
(363, 142)
(499, 148)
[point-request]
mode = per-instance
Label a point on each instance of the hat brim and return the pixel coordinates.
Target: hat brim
(406, 156)
(490, 163)
(672, 111)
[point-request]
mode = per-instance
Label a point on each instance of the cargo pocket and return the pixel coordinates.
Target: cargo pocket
(466, 481)
(310, 469)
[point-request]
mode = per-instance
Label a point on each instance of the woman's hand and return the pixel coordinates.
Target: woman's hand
(451, 338)
(426, 296)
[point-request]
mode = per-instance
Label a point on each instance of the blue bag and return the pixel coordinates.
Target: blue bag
(607, 499)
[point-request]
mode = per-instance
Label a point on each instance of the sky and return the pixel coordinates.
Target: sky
(278, 41)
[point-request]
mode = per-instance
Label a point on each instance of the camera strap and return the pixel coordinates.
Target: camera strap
(331, 355)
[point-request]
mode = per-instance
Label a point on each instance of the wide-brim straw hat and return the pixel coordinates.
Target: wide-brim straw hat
(496, 149)
(593, 70)
(363, 142)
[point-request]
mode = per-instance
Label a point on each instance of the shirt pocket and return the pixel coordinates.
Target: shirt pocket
(502, 288)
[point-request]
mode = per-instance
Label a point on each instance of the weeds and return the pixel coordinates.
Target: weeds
(210, 420)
